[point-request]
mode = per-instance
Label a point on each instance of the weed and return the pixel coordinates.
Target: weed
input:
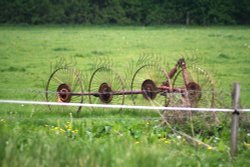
(13, 69)
(223, 56)
(61, 49)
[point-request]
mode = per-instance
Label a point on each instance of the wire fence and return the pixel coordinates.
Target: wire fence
(123, 106)
(235, 110)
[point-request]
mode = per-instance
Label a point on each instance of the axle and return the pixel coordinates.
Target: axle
(161, 89)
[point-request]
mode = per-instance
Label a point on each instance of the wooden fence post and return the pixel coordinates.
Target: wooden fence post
(235, 118)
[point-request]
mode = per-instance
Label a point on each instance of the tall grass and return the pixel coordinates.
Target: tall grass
(31, 142)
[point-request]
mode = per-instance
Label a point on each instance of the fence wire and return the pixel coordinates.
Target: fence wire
(123, 106)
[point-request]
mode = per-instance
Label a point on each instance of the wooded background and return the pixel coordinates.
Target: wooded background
(125, 12)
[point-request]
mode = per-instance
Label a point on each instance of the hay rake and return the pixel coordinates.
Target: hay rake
(150, 84)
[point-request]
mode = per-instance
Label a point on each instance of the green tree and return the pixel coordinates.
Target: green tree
(141, 12)
(40, 12)
(132, 9)
(113, 12)
(242, 11)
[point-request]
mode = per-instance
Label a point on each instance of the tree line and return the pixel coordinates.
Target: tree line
(125, 12)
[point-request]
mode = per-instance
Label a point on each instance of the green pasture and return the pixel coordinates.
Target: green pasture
(27, 53)
(35, 136)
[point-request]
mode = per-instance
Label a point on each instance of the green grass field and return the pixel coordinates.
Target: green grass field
(34, 136)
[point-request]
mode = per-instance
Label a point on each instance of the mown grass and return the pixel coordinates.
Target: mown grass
(34, 136)
(28, 52)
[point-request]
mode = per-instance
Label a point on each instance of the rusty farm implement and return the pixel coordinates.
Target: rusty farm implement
(182, 85)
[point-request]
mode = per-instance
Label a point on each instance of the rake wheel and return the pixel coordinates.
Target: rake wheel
(200, 90)
(59, 86)
(104, 81)
(147, 78)
(200, 93)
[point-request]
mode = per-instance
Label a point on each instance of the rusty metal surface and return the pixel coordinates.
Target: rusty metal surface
(63, 93)
(149, 89)
(105, 93)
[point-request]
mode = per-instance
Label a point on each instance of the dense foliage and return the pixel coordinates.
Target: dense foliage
(125, 12)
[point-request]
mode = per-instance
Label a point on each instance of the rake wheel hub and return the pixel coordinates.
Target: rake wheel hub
(63, 93)
(105, 93)
(149, 89)
(194, 92)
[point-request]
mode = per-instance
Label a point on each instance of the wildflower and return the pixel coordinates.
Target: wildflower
(56, 128)
(167, 141)
(209, 148)
(247, 144)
